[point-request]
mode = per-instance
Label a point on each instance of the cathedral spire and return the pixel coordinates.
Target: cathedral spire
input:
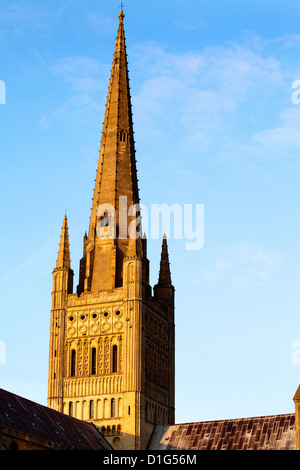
(116, 174)
(63, 258)
(116, 185)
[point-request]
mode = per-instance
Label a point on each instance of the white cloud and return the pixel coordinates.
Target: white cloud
(83, 73)
(31, 265)
(228, 100)
(81, 107)
(44, 123)
(279, 139)
(284, 140)
(287, 41)
(232, 101)
(243, 265)
(19, 18)
(100, 23)
(87, 79)
(203, 92)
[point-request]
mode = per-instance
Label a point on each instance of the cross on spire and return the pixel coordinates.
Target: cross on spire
(121, 15)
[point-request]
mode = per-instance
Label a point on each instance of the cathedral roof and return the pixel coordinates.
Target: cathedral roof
(55, 430)
(275, 432)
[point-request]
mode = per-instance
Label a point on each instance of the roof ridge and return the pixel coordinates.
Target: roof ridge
(234, 419)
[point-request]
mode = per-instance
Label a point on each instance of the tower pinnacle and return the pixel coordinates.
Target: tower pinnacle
(63, 258)
(164, 273)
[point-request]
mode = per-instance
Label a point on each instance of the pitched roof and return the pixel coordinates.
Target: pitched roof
(33, 419)
(261, 433)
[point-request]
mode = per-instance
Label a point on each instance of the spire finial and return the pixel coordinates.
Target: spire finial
(121, 15)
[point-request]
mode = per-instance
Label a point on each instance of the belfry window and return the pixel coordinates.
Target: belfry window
(73, 363)
(115, 359)
(93, 365)
(123, 136)
(104, 219)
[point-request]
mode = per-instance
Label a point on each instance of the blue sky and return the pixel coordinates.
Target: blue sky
(215, 124)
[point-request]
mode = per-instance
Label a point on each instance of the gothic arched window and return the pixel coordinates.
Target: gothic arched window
(123, 136)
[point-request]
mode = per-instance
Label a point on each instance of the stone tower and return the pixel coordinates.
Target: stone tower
(112, 342)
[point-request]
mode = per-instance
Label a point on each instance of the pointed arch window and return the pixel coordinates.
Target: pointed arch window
(73, 363)
(123, 136)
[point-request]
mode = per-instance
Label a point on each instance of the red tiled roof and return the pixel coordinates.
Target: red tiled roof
(33, 419)
(261, 433)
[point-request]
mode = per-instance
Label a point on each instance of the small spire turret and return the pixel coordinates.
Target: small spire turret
(64, 257)
(164, 272)
(164, 290)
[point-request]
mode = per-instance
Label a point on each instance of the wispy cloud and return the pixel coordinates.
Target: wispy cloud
(81, 107)
(284, 140)
(243, 265)
(86, 78)
(205, 87)
(230, 100)
(19, 17)
(30, 264)
(100, 22)
(82, 73)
